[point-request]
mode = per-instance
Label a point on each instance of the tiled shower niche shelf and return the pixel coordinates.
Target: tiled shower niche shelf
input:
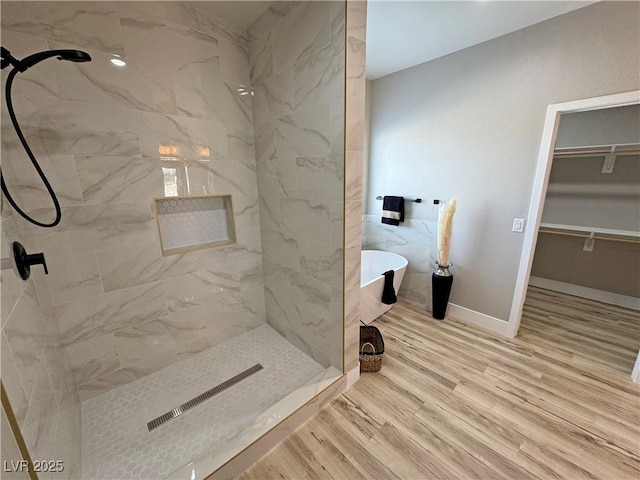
(192, 223)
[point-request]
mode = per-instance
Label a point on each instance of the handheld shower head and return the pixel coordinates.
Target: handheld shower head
(71, 55)
(74, 56)
(31, 60)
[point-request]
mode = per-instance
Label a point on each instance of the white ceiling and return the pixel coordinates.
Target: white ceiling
(401, 34)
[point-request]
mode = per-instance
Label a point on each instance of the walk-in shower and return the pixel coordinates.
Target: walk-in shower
(196, 260)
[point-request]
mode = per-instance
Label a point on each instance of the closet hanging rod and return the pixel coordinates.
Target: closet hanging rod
(587, 229)
(417, 200)
(619, 149)
(607, 238)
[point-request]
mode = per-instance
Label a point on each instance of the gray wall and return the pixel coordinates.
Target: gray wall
(610, 267)
(580, 194)
(599, 127)
(469, 125)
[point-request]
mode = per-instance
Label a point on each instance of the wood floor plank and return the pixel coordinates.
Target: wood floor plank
(574, 410)
(487, 428)
(582, 394)
(494, 456)
(357, 415)
(554, 464)
(454, 401)
(405, 457)
(357, 450)
(586, 450)
(335, 462)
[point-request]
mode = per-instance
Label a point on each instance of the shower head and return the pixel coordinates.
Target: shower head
(31, 60)
(74, 56)
(71, 55)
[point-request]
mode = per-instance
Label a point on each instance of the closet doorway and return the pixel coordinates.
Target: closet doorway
(583, 284)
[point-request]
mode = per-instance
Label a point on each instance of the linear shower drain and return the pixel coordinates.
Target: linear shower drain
(156, 422)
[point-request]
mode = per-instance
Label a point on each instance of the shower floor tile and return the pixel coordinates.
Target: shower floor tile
(116, 443)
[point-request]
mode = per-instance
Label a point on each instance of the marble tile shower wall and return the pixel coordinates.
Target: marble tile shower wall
(122, 309)
(354, 151)
(297, 58)
(413, 239)
(36, 373)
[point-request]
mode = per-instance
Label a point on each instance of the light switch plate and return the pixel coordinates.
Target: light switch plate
(518, 225)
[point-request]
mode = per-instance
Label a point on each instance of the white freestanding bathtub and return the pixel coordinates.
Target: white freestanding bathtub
(373, 264)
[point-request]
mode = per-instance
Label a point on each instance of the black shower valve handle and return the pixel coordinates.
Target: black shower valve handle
(24, 260)
(37, 259)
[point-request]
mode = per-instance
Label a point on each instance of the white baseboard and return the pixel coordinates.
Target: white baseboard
(479, 319)
(585, 292)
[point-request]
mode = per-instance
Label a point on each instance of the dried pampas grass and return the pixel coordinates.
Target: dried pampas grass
(445, 217)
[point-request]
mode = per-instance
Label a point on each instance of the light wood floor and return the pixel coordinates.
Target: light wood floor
(454, 402)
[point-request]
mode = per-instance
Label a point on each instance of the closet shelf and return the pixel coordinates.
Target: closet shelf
(598, 150)
(608, 234)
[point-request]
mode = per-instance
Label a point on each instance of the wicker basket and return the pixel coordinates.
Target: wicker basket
(371, 349)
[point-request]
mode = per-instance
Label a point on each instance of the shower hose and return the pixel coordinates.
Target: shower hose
(24, 143)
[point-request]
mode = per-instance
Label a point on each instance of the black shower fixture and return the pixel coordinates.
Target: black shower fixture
(20, 66)
(31, 60)
(24, 260)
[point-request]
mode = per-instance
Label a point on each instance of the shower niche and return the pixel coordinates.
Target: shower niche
(193, 223)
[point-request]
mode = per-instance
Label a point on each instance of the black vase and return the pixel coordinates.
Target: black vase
(441, 281)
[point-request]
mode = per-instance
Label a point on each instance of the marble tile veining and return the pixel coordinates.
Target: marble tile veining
(119, 179)
(64, 127)
(297, 61)
(142, 341)
(303, 133)
(416, 241)
(59, 169)
(202, 287)
(274, 97)
(320, 76)
(83, 319)
(38, 429)
(306, 218)
(303, 31)
(40, 82)
(320, 176)
(88, 24)
(26, 331)
(99, 82)
(12, 383)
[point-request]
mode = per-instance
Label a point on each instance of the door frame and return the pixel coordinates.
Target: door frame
(541, 182)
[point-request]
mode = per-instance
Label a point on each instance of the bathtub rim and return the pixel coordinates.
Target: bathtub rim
(395, 269)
